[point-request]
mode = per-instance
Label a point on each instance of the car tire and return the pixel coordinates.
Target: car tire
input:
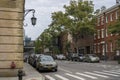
(37, 68)
(55, 70)
(89, 61)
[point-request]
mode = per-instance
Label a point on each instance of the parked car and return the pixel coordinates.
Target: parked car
(77, 57)
(35, 59)
(91, 58)
(31, 59)
(81, 57)
(46, 62)
(60, 57)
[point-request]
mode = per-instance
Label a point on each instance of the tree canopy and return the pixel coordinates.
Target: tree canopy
(114, 28)
(78, 18)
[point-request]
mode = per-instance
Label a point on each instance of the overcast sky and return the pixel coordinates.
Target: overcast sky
(44, 8)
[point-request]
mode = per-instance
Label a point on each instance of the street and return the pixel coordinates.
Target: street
(68, 70)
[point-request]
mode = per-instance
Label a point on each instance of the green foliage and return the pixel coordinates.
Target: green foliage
(77, 19)
(55, 50)
(82, 18)
(114, 28)
(38, 45)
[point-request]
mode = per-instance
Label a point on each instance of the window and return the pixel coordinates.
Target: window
(117, 52)
(106, 47)
(106, 33)
(111, 34)
(102, 33)
(98, 34)
(116, 15)
(98, 22)
(111, 47)
(94, 48)
(106, 19)
(98, 47)
(111, 17)
(94, 36)
(102, 20)
(103, 49)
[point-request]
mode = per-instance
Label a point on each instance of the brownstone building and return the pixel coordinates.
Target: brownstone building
(83, 45)
(104, 42)
(11, 36)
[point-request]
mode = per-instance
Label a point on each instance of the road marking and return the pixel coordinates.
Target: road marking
(96, 74)
(111, 72)
(116, 66)
(106, 73)
(65, 70)
(61, 77)
(80, 78)
(116, 70)
(49, 77)
(34, 78)
(92, 77)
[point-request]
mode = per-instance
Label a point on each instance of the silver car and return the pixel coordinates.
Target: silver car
(91, 58)
(46, 62)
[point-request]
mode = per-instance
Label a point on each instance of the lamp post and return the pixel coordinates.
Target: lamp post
(33, 19)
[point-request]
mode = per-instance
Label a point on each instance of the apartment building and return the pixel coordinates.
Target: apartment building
(104, 42)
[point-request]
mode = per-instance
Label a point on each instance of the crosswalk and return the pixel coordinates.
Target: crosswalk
(93, 75)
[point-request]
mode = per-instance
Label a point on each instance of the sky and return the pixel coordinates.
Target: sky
(43, 10)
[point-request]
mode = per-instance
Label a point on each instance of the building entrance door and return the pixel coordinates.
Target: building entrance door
(88, 49)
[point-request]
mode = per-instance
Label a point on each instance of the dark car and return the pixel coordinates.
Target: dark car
(77, 57)
(31, 59)
(91, 58)
(46, 62)
(35, 59)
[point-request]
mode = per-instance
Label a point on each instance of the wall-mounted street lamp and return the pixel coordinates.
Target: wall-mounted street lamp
(33, 19)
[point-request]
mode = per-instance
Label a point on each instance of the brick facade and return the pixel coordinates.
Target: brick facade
(81, 46)
(104, 42)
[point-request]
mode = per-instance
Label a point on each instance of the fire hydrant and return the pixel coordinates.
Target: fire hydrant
(20, 74)
(13, 66)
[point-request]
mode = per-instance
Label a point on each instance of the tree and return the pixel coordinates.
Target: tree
(114, 28)
(78, 19)
(38, 46)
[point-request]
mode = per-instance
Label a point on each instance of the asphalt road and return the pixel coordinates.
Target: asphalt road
(68, 70)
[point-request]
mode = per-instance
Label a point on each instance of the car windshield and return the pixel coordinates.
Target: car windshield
(46, 58)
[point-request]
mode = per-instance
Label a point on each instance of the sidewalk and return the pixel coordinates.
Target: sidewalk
(31, 74)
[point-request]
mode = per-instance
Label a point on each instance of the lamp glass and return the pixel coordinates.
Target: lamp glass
(33, 20)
